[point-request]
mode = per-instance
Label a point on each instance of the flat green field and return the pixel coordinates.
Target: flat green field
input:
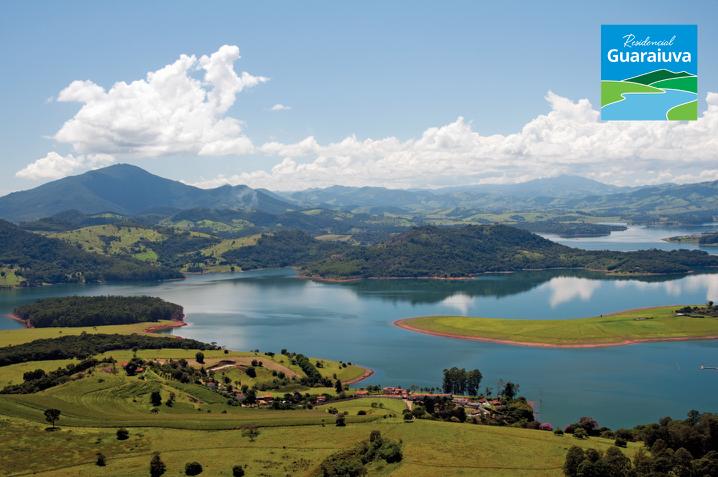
(613, 91)
(430, 449)
(25, 335)
(649, 324)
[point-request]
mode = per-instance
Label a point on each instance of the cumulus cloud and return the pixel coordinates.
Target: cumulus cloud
(570, 138)
(180, 108)
(55, 166)
(280, 107)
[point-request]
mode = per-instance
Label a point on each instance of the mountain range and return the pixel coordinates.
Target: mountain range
(131, 191)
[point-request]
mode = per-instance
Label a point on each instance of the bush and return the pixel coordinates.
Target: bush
(341, 421)
(558, 432)
(580, 433)
(123, 434)
(237, 471)
(620, 442)
(361, 412)
(101, 461)
(192, 468)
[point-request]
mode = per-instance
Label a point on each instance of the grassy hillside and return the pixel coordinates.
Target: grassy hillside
(660, 323)
(39, 260)
(429, 448)
(112, 239)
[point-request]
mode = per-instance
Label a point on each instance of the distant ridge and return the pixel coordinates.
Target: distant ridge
(130, 190)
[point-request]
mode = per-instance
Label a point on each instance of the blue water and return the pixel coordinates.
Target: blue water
(619, 386)
(653, 106)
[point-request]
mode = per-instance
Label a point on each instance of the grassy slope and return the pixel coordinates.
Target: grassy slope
(430, 449)
(609, 329)
(121, 240)
(683, 112)
(612, 91)
(9, 277)
(687, 83)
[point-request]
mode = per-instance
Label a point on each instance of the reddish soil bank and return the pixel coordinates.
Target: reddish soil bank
(367, 372)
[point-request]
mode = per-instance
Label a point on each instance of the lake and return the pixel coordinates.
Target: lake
(619, 386)
(647, 106)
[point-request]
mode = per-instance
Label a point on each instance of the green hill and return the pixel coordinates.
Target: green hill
(685, 83)
(37, 260)
(658, 75)
(465, 251)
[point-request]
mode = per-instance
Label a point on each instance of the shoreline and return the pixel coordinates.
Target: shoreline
(367, 373)
(403, 324)
(149, 330)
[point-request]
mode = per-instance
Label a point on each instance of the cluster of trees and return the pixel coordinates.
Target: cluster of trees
(432, 251)
(460, 381)
(37, 380)
(179, 370)
(97, 311)
(352, 462)
(313, 376)
(681, 448)
(86, 345)
(41, 260)
(710, 309)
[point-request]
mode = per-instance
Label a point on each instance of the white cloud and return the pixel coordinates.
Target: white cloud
(55, 166)
(280, 107)
(570, 138)
(169, 112)
(566, 289)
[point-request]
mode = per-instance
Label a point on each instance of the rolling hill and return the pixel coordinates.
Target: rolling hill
(465, 251)
(34, 259)
(129, 190)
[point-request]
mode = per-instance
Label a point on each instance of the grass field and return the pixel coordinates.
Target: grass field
(430, 448)
(24, 335)
(9, 277)
(660, 323)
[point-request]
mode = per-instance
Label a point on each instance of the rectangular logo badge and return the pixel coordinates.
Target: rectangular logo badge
(649, 72)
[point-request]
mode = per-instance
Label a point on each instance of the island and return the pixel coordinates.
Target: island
(705, 239)
(664, 323)
(76, 311)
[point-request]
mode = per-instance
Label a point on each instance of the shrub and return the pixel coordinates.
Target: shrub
(237, 471)
(101, 461)
(361, 412)
(620, 442)
(580, 433)
(122, 434)
(558, 432)
(192, 468)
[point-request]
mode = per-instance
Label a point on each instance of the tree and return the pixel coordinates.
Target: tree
(52, 415)
(193, 468)
(408, 415)
(122, 434)
(574, 457)
(340, 420)
(251, 372)
(199, 357)
(237, 471)
(101, 460)
(250, 432)
(338, 387)
(510, 391)
(580, 433)
(391, 452)
(620, 442)
(156, 398)
(157, 467)
(473, 381)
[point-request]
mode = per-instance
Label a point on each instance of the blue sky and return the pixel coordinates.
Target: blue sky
(371, 69)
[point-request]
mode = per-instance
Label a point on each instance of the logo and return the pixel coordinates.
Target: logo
(649, 72)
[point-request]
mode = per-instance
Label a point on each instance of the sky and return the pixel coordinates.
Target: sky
(292, 95)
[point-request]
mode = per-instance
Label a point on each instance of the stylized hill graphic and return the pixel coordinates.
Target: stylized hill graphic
(658, 75)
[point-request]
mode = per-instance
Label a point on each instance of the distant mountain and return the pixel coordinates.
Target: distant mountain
(36, 260)
(129, 190)
(383, 200)
(559, 186)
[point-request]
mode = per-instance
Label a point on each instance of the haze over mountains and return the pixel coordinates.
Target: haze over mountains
(130, 190)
